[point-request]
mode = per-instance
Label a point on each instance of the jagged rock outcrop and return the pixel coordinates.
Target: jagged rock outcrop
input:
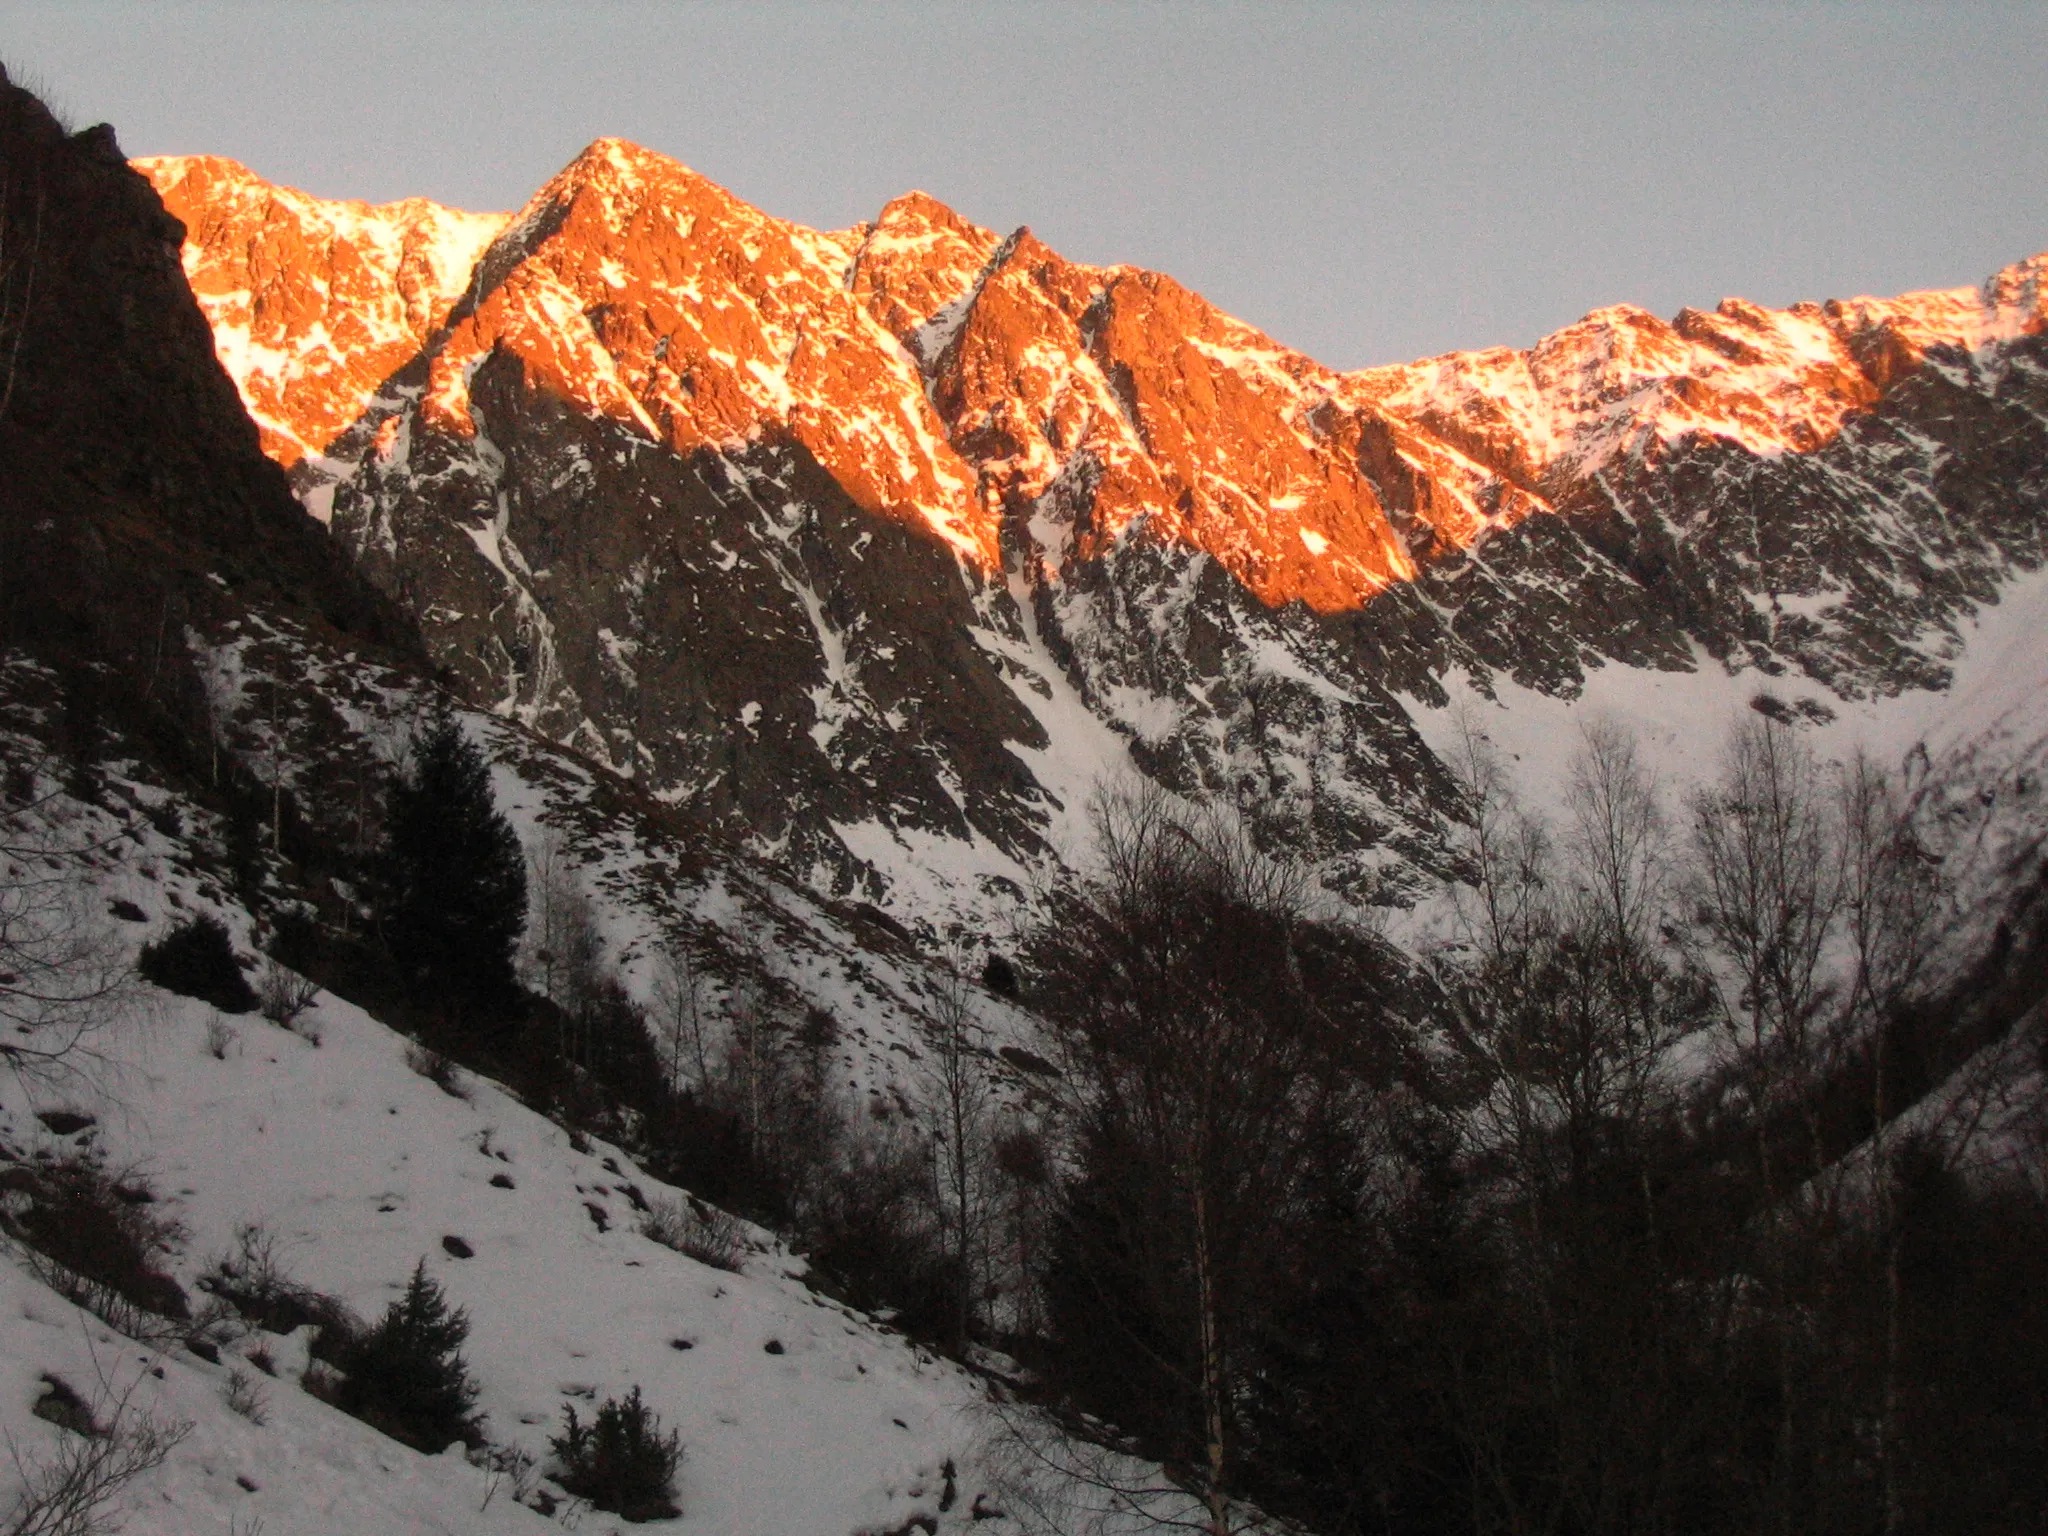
(876, 546)
(322, 301)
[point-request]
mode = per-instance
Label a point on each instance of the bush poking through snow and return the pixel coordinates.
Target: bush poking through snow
(89, 1236)
(620, 1461)
(245, 1395)
(436, 1069)
(197, 959)
(505, 1466)
(406, 1376)
(703, 1232)
(222, 1038)
(253, 1282)
(285, 995)
(69, 1489)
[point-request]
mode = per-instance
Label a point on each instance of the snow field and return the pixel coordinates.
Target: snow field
(359, 1167)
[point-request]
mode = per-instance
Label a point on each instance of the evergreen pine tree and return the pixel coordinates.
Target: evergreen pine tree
(622, 1461)
(456, 876)
(407, 1377)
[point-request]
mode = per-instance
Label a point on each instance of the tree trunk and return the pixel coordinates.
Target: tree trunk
(1212, 1367)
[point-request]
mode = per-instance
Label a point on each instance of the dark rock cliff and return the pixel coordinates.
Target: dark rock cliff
(132, 486)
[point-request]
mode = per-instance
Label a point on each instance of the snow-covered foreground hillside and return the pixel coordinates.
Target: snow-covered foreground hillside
(647, 881)
(796, 1413)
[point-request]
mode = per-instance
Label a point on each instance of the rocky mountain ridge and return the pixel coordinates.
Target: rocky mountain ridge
(203, 702)
(877, 547)
(201, 708)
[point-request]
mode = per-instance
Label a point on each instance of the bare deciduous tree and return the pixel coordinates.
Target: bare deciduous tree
(680, 1008)
(69, 1489)
(958, 1101)
(1895, 899)
(562, 946)
(1191, 1042)
(21, 240)
(63, 976)
(1768, 883)
(1568, 1005)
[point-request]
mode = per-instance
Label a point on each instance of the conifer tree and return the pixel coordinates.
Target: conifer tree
(455, 875)
(407, 1377)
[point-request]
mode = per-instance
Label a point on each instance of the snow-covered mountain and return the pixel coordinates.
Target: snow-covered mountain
(876, 548)
(802, 587)
(199, 702)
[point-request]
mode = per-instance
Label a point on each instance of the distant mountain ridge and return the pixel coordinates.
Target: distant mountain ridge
(876, 547)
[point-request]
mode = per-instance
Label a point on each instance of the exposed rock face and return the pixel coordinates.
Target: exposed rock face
(1825, 490)
(313, 304)
(132, 489)
(876, 546)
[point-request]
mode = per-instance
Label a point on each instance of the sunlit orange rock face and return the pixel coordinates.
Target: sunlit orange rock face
(314, 303)
(1155, 405)
(962, 383)
(945, 377)
(1622, 381)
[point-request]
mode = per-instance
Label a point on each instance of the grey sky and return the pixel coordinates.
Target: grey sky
(1364, 183)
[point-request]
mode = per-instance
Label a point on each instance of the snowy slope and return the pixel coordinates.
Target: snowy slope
(1999, 694)
(798, 1414)
(1973, 755)
(359, 1167)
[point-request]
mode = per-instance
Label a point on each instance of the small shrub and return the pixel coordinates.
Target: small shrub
(705, 1233)
(436, 1069)
(406, 1376)
(245, 1395)
(285, 995)
(197, 959)
(85, 1233)
(620, 1461)
(222, 1038)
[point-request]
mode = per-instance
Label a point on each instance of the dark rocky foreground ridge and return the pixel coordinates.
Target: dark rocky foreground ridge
(133, 487)
(876, 548)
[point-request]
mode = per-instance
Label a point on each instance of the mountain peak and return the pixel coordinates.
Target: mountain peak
(915, 209)
(621, 166)
(918, 258)
(314, 303)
